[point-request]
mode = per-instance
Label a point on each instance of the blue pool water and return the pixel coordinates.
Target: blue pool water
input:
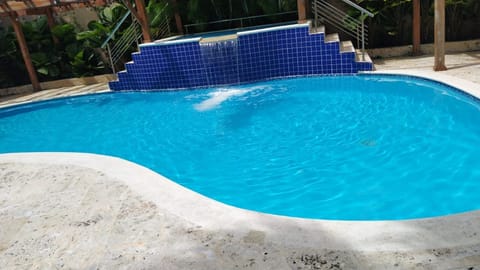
(233, 31)
(361, 147)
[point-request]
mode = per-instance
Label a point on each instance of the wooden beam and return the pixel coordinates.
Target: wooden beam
(25, 53)
(302, 10)
(439, 45)
(132, 10)
(30, 7)
(51, 24)
(29, 3)
(142, 19)
(416, 25)
(178, 19)
(6, 8)
(140, 6)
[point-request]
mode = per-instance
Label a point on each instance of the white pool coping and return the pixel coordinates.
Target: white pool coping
(453, 232)
(274, 28)
(173, 40)
(461, 84)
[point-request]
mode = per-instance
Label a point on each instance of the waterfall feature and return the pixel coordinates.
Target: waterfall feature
(221, 61)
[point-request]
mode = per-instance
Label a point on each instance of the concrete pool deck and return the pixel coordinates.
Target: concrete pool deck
(83, 211)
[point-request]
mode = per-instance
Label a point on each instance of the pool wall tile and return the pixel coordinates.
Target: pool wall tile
(252, 56)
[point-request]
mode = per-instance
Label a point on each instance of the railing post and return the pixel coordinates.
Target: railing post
(358, 35)
(110, 57)
(363, 37)
(168, 25)
(315, 14)
(325, 11)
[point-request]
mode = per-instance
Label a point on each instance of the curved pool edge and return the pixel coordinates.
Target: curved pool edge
(466, 86)
(454, 232)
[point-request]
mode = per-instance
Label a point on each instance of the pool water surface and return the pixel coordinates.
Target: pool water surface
(365, 147)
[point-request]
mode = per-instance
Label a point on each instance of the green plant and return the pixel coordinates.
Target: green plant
(392, 24)
(157, 11)
(109, 16)
(458, 13)
(90, 59)
(43, 53)
(95, 35)
(202, 11)
(87, 63)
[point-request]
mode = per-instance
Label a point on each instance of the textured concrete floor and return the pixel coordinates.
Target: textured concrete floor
(462, 65)
(77, 211)
(54, 93)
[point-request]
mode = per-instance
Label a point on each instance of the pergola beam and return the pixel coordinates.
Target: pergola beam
(51, 24)
(17, 27)
(15, 8)
(178, 19)
(302, 10)
(416, 26)
(141, 15)
(31, 7)
(140, 5)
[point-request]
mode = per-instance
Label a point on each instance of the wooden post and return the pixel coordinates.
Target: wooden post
(140, 6)
(51, 24)
(416, 22)
(302, 10)
(439, 46)
(25, 53)
(178, 19)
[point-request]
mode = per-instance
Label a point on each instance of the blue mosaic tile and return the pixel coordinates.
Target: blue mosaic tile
(251, 57)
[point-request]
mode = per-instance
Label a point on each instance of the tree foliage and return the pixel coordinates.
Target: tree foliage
(392, 24)
(203, 11)
(76, 54)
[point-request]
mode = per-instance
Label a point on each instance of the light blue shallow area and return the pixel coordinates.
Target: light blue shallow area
(363, 147)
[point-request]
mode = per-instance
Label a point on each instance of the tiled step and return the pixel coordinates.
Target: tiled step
(346, 46)
(364, 65)
(332, 38)
(318, 30)
(359, 57)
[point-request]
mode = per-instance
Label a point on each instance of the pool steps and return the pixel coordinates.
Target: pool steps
(282, 51)
(332, 38)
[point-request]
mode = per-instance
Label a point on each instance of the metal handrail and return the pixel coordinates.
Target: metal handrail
(237, 19)
(164, 28)
(115, 29)
(359, 8)
(337, 18)
(129, 36)
(340, 19)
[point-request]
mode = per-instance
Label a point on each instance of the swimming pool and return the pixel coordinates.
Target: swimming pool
(361, 147)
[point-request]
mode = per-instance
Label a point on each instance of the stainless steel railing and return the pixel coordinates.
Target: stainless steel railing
(323, 11)
(116, 48)
(133, 34)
